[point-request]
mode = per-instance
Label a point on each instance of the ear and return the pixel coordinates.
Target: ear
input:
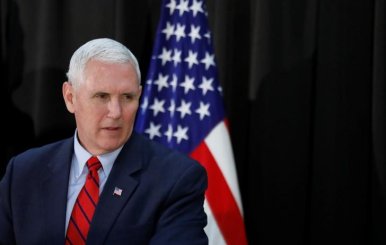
(140, 91)
(68, 96)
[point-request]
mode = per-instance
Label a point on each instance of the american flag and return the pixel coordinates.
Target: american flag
(117, 191)
(182, 107)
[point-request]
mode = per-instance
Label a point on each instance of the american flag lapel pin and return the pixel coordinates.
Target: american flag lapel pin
(117, 192)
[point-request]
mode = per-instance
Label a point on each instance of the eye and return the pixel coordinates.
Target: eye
(102, 96)
(129, 96)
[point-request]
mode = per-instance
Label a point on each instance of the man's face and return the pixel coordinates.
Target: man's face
(104, 104)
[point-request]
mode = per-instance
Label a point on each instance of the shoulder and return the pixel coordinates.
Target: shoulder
(160, 156)
(42, 154)
(45, 150)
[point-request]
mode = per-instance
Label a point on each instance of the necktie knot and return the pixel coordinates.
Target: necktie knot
(93, 164)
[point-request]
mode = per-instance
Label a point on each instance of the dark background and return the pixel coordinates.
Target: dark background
(304, 88)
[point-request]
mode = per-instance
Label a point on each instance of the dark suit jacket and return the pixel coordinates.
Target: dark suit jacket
(161, 202)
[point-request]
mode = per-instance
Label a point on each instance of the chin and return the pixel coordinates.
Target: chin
(111, 143)
(112, 146)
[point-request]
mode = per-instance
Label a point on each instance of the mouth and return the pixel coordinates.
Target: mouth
(111, 128)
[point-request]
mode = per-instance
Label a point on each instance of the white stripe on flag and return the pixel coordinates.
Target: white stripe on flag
(218, 142)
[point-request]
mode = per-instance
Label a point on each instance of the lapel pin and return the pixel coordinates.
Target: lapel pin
(117, 191)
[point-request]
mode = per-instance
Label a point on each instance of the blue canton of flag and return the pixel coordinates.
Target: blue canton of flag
(181, 100)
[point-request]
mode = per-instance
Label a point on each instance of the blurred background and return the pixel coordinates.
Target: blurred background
(304, 90)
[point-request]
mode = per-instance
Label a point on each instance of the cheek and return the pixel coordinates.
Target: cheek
(90, 114)
(130, 113)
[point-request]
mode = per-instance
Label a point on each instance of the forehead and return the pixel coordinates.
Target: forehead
(100, 71)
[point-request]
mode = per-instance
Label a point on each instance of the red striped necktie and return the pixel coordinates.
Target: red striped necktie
(84, 207)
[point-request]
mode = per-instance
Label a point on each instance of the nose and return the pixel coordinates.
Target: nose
(115, 109)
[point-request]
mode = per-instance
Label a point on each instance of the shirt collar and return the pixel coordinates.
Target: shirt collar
(82, 155)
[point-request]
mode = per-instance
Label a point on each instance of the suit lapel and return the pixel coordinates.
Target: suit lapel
(54, 186)
(110, 205)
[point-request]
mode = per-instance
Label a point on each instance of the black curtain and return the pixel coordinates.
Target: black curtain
(304, 88)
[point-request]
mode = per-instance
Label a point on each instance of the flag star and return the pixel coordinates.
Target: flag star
(184, 108)
(172, 6)
(168, 31)
(173, 83)
(145, 104)
(194, 33)
(172, 108)
(219, 88)
(196, 7)
(188, 84)
(165, 56)
(208, 60)
(203, 110)
(157, 106)
(207, 35)
(206, 85)
(169, 133)
(191, 59)
(162, 81)
(183, 7)
(179, 31)
(153, 130)
(176, 57)
(181, 133)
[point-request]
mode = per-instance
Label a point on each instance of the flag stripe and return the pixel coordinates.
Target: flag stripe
(212, 230)
(218, 141)
(220, 198)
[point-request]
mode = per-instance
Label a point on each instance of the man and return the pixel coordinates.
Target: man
(107, 184)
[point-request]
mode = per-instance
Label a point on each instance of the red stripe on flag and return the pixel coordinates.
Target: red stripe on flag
(220, 199)
(226, 122)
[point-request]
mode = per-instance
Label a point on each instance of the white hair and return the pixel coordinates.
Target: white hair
(102, 49)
